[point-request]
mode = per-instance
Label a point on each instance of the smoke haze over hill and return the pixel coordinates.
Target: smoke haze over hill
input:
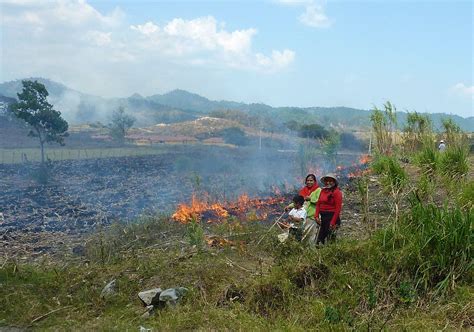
(180, 105)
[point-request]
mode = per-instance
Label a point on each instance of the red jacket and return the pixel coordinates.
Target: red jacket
(330, 200)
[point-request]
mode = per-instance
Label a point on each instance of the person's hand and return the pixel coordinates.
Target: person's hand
(307, 198)
(333, 227)
(317, 221)
(287, 208)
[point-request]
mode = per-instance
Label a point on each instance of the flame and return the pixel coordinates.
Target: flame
(365, 159)
(186, 213)
(251, 209)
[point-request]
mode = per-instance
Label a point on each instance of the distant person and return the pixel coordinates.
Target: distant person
(328, 207)
(441, 146)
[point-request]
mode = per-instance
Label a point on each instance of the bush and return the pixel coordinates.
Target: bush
(454, 162)
(428, 160)
(313, 131)
(431, 245)
(234, 135)
(466, 197)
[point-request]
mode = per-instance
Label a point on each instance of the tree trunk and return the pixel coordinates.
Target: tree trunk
(42, 152)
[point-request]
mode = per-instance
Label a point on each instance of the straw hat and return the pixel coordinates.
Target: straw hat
(330, 175)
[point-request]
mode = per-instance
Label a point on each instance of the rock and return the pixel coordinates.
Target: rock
(79, 250)
(109, 290)
(150, 297)
(172, 295)
(150, 309)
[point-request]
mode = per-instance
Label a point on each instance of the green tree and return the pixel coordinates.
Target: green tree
(453, 134)
(120, 124)
(417, 131)
(234, 135)
(313, 131)
(33, 107)
(384, 124)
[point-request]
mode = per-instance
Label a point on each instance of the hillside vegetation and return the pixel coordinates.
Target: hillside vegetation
(180, 105)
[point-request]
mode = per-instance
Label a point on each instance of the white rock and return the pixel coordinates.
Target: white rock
(109, 289)
(151, 296)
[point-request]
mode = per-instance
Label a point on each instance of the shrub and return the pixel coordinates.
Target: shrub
(394, 178)
(234, 135)
(454, 163)
(431, 245)
(428, 160)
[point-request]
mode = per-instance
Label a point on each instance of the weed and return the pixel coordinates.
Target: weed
(195, 234)
(454, 163)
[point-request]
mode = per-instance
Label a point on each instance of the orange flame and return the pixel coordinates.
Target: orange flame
(186, 213)
(260, 208)
(364, 159)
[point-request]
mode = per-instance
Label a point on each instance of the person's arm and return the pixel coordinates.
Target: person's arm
(338, 204)
(316, 214)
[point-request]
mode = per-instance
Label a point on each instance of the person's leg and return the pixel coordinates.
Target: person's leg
(333, 232)
(324, 230)
(310, 232)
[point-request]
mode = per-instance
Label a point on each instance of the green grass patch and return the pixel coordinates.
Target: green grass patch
(242, 285)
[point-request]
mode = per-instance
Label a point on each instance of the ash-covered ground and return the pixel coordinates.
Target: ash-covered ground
(85, 195)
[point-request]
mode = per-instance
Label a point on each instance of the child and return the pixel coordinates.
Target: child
(296, 218)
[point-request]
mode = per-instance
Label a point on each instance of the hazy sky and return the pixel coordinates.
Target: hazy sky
(417, 54)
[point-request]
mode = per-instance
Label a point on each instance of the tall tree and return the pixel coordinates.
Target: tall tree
(121, 123)
(33, 107)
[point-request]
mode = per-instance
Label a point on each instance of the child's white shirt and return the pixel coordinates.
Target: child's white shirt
(298, 213)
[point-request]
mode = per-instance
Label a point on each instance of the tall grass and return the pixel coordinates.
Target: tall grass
(432, 246)
(428, 159)
(454, 162)
(393, 178)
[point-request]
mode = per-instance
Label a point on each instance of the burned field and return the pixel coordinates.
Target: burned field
(91, 192)
(85, 194)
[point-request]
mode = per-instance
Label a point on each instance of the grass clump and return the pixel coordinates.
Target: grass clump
(432, 246)
(454, 163)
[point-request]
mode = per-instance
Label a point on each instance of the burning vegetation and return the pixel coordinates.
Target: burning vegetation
(244, 208)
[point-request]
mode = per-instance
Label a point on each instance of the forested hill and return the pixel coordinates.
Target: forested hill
(180, 105)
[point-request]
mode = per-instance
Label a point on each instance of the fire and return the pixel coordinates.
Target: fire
(260, 209)
(359, 173)
(186, 213)
(365, 159)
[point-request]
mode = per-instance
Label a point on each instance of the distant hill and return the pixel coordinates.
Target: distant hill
(179, 105)
(77, 107)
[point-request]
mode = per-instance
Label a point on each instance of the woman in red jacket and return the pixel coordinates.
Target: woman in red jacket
(328, 207)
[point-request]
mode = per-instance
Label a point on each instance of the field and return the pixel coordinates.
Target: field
(102, 218)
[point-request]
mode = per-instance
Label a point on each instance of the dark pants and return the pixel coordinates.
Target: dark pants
(325, 229)
(297, 233)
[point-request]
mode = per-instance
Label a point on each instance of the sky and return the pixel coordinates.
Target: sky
(417, 54)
